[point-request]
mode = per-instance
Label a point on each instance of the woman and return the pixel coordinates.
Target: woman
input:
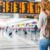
(45, 12)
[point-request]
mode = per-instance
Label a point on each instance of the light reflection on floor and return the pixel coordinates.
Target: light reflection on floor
(16, 43)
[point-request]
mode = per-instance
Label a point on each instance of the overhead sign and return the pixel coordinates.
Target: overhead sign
(20, 7)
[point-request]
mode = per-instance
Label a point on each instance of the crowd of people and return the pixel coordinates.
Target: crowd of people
(10, 30)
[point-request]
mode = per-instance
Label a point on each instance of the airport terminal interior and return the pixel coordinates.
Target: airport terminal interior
(19, 31)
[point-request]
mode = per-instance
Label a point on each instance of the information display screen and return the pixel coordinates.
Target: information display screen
(37, 8)
(20, 7)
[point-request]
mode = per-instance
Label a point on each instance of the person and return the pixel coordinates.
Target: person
(34, 33)
(25, 32)
(16, 31)
(9, 31)
(45, 12)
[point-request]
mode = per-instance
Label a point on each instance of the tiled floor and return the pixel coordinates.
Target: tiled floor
(16, 43)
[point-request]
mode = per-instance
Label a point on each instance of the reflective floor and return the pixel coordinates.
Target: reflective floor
(17, 43)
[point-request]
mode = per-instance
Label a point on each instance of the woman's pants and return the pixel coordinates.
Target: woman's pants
(44, 44)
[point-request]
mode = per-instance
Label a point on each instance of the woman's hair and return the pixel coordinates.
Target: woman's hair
(45, 5)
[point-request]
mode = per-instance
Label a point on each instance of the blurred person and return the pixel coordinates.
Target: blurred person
(12, 31)
(44, 14)
(35, 31)
(15, 30)
(9, 31)
(25, 32)
(32, 34)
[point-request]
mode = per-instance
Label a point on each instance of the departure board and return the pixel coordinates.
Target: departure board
(20, 7)
(1, 6)
(37, 8)
(32, 7)
(4, 7)
(16, 7)
(8, 7)
(24, 7)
